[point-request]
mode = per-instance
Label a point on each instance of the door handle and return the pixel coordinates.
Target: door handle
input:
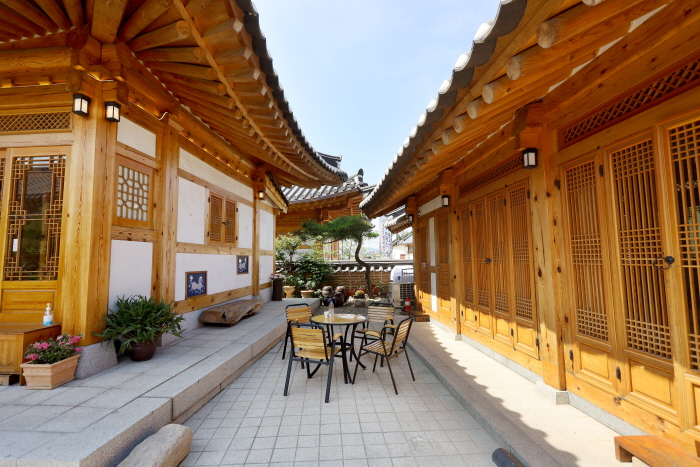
(669, 260)
(488, 260)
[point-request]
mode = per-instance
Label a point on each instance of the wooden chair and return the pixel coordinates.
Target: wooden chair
(381, 315)
(387, 348)
(316, 346)
(296, 313)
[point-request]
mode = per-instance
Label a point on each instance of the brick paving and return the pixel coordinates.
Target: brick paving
(252, 423)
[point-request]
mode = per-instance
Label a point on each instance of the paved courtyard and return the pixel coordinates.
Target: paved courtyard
(251, 422)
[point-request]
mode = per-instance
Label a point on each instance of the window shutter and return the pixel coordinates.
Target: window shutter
(216, 204)
(230, 226)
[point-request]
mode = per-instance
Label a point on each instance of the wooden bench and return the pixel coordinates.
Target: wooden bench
(654, 450)
(14, 339)
(231, 313)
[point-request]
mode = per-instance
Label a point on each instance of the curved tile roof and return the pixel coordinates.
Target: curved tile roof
(252, 27)
(509, 14)
(298, 194)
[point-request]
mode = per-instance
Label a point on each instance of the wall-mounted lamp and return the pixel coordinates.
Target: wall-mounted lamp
(529, 158)
(81, 104)
(410, 218)
(445, 200)
(113, 112)
(261, 194)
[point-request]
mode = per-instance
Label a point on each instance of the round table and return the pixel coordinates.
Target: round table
(342, 319)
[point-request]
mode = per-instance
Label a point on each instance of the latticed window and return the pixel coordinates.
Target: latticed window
(134, 187)
(34, 218)
(222, 220)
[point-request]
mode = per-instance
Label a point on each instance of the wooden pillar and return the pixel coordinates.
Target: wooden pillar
(165, 250)
(87, 222)
(447, 187)
(258, 185)
(412, 209)
(532, 133)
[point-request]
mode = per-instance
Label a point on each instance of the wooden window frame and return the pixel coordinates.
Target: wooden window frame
(226, 203)
(124, 161)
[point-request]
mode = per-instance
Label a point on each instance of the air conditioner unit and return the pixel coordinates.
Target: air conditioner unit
(400, 291)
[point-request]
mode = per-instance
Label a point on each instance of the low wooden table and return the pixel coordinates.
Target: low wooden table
(14, 339)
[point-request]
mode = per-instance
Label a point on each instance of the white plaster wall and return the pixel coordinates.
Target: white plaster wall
(191, 212)
(431, 240)
(130, 269)
(267, 230)
(430, 206)
(266, 294)
(136, 136)
(433, 292)
(245, 226)
(221, 273)
(201, 169)
(266, 264)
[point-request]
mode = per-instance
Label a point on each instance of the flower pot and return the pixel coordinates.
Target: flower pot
(142, 351)
(49, 376)
(359, 302)
(289, 291)
(307, 294)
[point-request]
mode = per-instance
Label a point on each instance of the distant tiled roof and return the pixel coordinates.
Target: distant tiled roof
(397, 220)
(297, 194)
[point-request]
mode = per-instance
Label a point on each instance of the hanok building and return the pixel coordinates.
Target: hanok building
(554, 189)
(398, 223)
(323, 203)
(139, 141)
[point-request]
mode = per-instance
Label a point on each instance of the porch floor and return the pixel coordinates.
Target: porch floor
(511, 408)
(96, 421)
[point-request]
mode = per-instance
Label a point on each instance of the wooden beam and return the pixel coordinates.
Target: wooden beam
(212, 87)
(166, 35)
(145, 15)
(579, 19)
(14, 18)
(194, 55)
(180, 90)
(625, 55)
(31, 13)
(74, 8)
(106, 18)
(54, 12)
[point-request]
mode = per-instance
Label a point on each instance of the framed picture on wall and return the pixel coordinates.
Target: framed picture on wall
(195, 283)
(242, 262)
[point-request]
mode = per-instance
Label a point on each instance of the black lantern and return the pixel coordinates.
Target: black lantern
(445, 200)
(261, 194)
(529, 158)
(81, 104)
(410, 218)
(113, 111)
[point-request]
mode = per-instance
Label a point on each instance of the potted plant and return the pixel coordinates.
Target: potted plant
(383, 289)
(137, 323)
(359, 298)
(51, 363)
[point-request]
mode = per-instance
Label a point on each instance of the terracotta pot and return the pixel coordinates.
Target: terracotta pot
(49, 376)
(289, 291)
(142, 351)
(307, 294)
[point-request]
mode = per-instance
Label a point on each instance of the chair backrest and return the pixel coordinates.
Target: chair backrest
(379, 314)
(298, 313)
(401, 333)
(309, 338)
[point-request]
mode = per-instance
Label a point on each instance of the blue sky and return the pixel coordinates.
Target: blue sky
(359, 73)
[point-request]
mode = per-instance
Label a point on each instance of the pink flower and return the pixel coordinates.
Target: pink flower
(78, 349)
(41, 345)
(32, 356)
(75, 339)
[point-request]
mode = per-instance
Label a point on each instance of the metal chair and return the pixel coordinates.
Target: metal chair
(316, 346)
(296, 313)
(384, 348)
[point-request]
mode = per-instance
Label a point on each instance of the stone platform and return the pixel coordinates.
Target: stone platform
(98, 420)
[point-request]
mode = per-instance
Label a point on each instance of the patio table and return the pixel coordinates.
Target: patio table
(342, 319)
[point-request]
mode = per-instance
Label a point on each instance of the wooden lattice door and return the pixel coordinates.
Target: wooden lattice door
(443, 245)
(482, 249)
(593, 341)
(424, 265)
(500, 287)
(468, 312)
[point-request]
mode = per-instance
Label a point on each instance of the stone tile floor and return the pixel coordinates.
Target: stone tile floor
(251, 422)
